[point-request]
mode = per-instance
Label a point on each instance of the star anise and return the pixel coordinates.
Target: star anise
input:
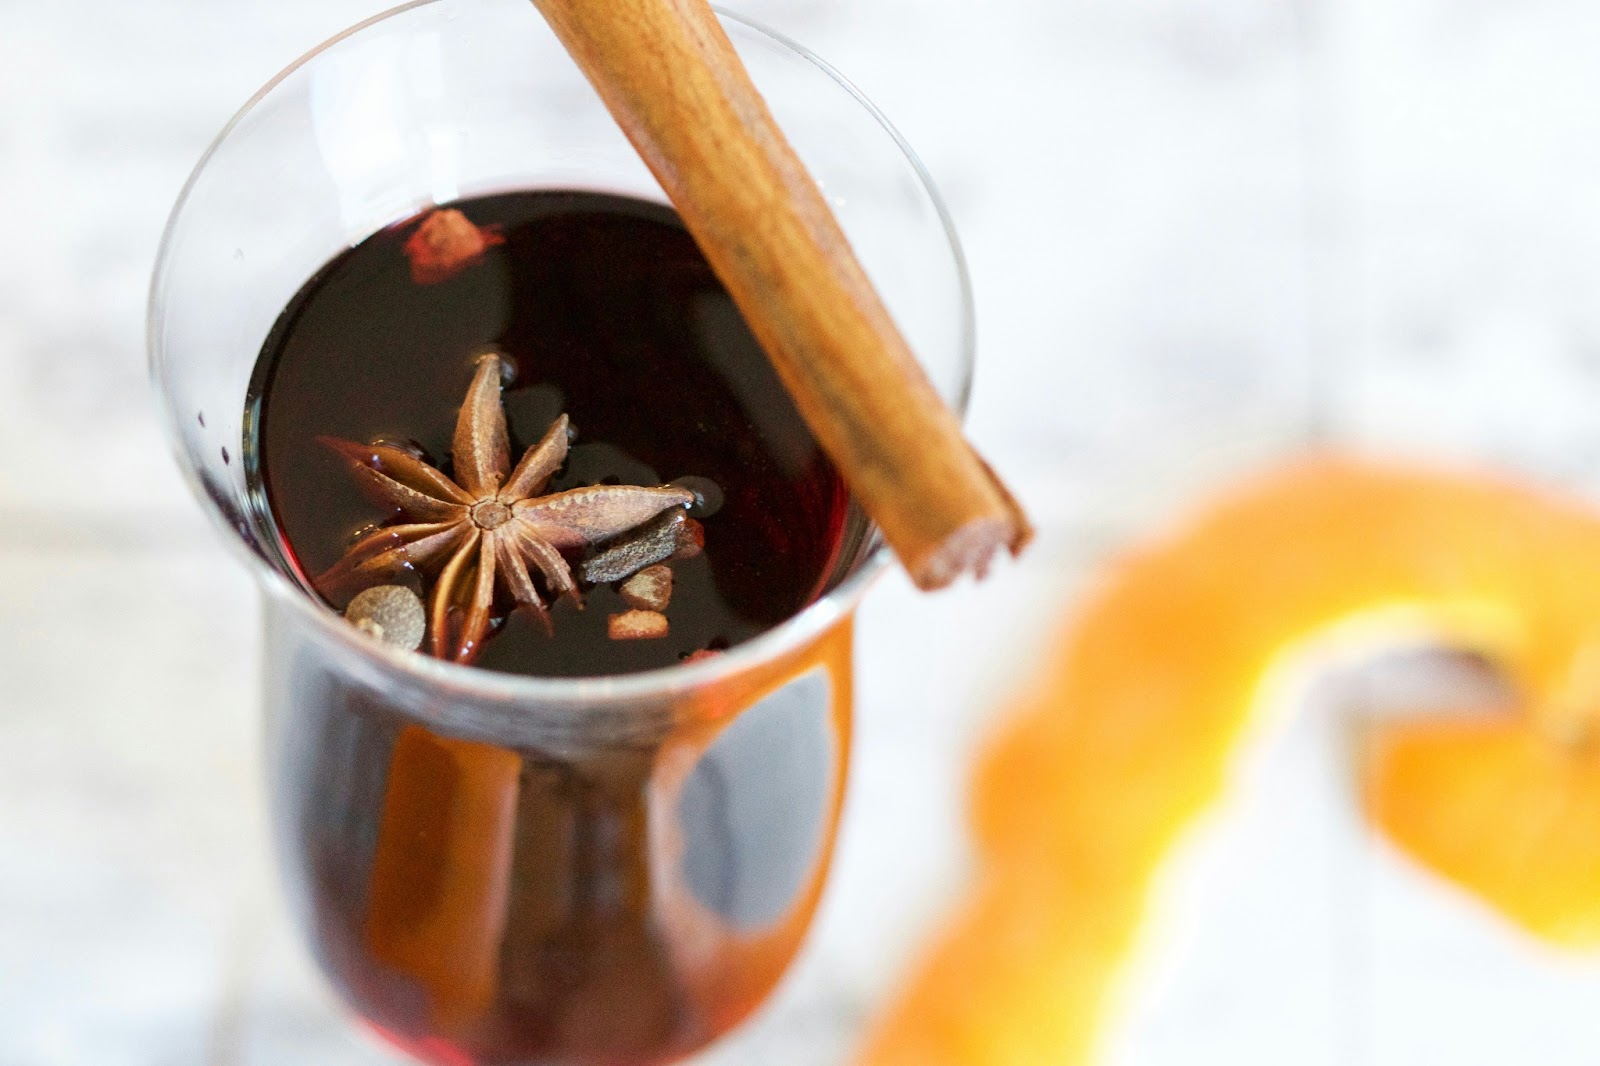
(486, 527)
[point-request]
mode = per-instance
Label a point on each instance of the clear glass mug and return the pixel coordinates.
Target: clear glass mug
(496, 868)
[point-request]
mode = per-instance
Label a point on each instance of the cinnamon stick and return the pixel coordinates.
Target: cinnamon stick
(670, 77)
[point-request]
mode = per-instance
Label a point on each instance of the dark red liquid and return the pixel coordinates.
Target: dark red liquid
(554, 894)
(561, 900)
(606, 310)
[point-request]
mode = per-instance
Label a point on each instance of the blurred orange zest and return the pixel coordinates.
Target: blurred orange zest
(1127, 736)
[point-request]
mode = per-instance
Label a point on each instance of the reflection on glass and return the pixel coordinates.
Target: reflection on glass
(587, 899)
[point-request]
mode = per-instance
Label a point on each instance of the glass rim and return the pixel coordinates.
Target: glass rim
(808, 624)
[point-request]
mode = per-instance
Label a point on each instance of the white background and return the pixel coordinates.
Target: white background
(1201, 231)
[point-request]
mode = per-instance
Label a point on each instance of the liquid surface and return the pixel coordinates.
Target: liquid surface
(605, 310)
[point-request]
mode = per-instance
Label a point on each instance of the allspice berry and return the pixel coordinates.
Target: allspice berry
(392, 613)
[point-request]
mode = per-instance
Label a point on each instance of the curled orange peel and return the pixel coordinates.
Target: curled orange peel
(1127, 738)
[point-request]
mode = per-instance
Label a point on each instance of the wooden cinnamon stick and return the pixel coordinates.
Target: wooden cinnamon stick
(672, 80)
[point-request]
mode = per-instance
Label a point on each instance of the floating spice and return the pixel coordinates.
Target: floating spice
(637, 625)
(446, 244)
(391, 613)
(490, 524)
(672, 536)
(650, 589)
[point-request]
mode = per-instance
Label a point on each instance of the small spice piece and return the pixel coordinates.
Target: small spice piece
(650, 589)
(691, 540)
(654, 543)
(446, 244)
(702, 655)
(637, 625)
(392, 613)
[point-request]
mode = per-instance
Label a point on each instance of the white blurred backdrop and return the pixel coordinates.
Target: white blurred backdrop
(1202, 232)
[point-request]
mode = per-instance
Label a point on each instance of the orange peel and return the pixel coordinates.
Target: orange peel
(1127, 738)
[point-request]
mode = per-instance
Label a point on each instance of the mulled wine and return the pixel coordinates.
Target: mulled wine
(602, 309)
(604, 896)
